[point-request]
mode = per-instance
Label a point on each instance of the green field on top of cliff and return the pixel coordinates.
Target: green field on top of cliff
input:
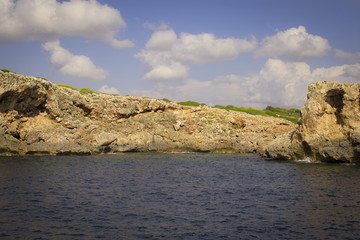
(290, 114)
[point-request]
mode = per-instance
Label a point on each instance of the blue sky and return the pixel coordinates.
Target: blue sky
(250, 53)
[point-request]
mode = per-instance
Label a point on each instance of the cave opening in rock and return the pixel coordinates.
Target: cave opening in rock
(28, 102)
(335, 98)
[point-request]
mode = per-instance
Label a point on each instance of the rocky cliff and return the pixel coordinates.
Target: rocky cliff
(330, 125)
(329, 129)
(40, 117)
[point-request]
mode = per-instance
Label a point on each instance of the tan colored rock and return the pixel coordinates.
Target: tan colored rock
(330, 125)
(329, 129)
(38, 116)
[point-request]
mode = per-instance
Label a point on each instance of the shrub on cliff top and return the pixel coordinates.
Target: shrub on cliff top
(43, 78)
(191, 103)
(291, 114)
(87, 91)
(67, 86)
(6, 70)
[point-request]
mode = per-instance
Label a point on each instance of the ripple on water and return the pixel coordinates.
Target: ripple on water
(176, 196)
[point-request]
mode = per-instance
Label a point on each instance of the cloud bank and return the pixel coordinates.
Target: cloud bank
(31, 20)
(73, 65)
(109, 90)
(348, 56)
(278, 83)
(293, 44)
(166, 55)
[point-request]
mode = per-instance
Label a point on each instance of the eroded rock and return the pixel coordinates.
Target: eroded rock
(40, 117)
(330, 125)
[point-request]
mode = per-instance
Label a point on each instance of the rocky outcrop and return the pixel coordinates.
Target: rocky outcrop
(330, 125)
(39, 117)
(329, 129)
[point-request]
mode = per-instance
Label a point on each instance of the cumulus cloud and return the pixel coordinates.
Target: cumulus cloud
(30, 20)
(173, 70)
(278, 83)
(294, 44)
(109, 90)
(348, 56)
(167, 54)
(73, 65)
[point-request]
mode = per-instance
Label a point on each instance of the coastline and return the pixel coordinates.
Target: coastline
(39, 117)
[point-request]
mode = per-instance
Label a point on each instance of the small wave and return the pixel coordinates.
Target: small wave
(350, 164)
(304, 160)
(113, 153)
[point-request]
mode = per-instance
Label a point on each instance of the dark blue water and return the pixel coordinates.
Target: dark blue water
(176, 196)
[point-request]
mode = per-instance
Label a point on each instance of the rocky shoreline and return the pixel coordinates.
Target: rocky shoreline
(40, 117)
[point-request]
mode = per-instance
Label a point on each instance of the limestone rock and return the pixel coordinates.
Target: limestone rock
(39, 117)
(329, 129)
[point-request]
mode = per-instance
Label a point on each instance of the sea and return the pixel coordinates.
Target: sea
(177, 196)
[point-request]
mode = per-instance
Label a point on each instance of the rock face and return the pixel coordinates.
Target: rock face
(39, 117)
(329, 129)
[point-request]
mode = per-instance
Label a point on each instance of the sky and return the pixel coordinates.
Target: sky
(246, 53)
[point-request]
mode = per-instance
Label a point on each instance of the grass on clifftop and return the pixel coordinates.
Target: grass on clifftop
(6, 70)
(191, 103)
(87, 91)
(291, 114)
(67, 86)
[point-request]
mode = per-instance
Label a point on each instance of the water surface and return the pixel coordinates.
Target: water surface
(176, 196)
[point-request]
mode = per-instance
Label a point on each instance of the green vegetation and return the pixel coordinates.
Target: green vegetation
(67, 86)
(191, 103)
(165, 100)
(87, 91)
(6, 70)
(291, 114)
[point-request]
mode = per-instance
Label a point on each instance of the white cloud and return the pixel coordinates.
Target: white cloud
(73, 65)
(162, 41)
(30, 20)
(109, 90)
(293, 44)
(348, 56)
(202, 48)
(344, 73)
(166, 54)
(278, 83)
(174, 70)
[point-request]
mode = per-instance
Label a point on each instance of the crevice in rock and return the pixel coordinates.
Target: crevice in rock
(307, 148)
(16, 135)
(28, 103)
(82, 106)
(335, 98)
